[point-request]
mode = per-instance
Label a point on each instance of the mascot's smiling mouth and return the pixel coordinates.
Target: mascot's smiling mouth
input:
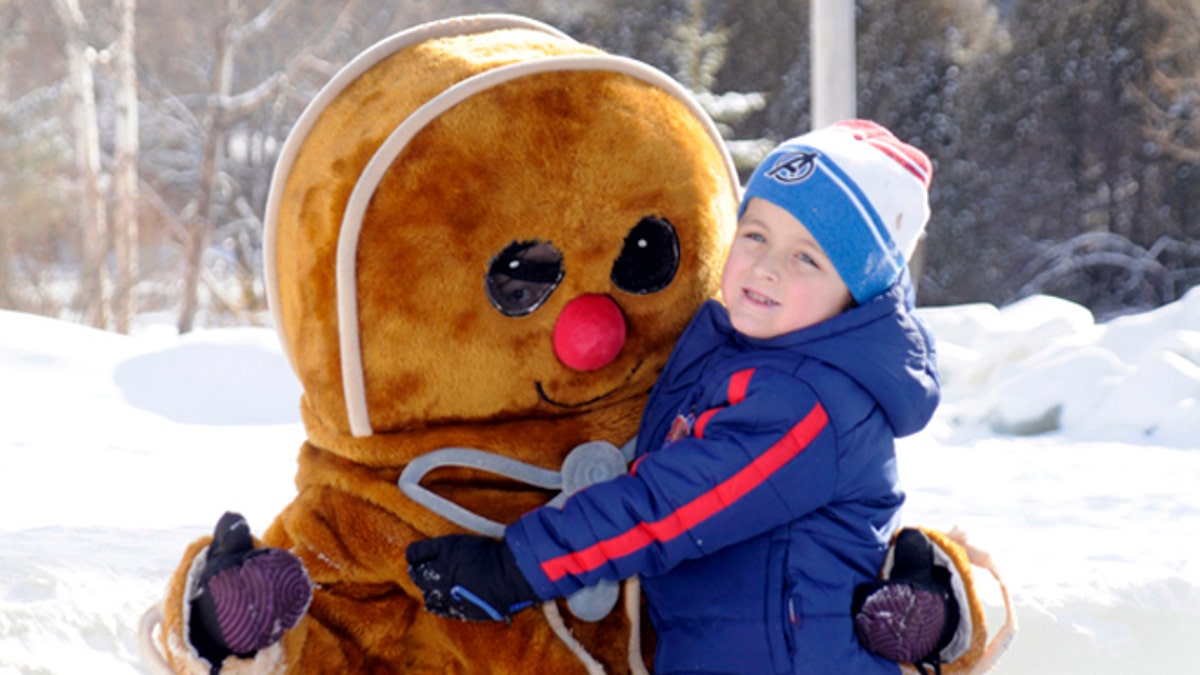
(570, 406)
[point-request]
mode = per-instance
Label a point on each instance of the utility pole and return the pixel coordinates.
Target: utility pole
(834, 74)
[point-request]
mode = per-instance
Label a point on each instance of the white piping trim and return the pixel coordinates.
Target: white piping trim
(554, 618)
(152, 657)
(360, 64)
(353, 377)
(633, 610)
(1004, 637)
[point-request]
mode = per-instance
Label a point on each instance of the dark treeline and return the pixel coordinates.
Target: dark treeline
(1066, 133)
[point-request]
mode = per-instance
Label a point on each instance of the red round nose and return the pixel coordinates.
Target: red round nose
(589, 333)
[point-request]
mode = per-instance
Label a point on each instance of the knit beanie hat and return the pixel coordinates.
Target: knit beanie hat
(860, 191)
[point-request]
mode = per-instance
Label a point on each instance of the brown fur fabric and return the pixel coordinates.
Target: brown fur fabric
(573, 158)
(979, 634)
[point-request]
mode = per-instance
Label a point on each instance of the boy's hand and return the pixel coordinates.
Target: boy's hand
(469, 577)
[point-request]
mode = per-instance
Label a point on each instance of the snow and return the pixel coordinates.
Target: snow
(1069, 450)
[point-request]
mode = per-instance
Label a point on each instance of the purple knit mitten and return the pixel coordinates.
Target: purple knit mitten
(901, 622)
(245, 597)
(912, 615)
(257, 602)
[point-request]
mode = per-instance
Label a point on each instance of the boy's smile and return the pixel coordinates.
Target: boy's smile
(759, 299)
(777, 278)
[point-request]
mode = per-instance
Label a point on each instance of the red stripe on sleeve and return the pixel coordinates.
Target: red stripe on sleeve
(633, 467)
(699, 509)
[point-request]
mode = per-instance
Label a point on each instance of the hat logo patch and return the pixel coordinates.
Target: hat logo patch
(793, 167)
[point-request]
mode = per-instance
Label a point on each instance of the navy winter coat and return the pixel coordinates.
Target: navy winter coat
(764, 490)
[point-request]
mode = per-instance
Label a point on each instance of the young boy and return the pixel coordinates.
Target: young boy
(764, 488)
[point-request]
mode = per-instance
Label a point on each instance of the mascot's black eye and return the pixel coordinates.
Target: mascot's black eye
(650, 258)
(522, 276)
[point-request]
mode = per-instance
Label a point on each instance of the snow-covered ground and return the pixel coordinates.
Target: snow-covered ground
(115, 452)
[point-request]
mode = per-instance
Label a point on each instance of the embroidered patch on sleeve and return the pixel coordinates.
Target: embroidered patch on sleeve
(681, 427)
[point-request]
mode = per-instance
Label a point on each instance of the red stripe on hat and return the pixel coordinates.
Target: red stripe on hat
(699, 509)
(913, 160)
(877, 136)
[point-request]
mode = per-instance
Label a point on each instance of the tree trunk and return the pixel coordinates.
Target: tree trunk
(93, 222)
(125, 216)
(193, 259)
(7, 256)
(8, 299)
(200, 227)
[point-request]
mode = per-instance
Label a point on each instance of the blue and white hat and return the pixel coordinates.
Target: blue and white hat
(860, 191)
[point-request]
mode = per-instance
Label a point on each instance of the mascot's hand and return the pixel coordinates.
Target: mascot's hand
(469, 577)
(913, 614)
(244, 598)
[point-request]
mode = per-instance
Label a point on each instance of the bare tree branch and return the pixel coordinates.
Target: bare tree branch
(238, 107)
(260, 24)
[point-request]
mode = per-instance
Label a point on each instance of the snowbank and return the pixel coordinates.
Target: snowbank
(1043, 365)
(1066, 448)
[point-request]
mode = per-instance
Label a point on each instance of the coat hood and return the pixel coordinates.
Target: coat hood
(881, 345)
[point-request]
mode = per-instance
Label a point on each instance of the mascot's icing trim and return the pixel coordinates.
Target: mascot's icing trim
(347, 299)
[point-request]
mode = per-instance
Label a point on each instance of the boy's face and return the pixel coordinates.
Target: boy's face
(777, 279)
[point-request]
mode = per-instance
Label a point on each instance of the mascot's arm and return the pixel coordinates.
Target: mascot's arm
(352, 536)
(312, 643)
(350, 529)
(336, 538)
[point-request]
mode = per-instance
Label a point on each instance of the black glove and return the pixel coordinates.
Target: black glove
(468, 577)
(245, 597)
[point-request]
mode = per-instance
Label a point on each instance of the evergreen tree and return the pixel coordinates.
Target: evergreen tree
(916, 62)
(1059, 188)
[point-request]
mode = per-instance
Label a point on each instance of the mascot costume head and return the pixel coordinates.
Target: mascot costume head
(483, 239)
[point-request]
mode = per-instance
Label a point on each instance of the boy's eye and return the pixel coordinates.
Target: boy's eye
(755, 236)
